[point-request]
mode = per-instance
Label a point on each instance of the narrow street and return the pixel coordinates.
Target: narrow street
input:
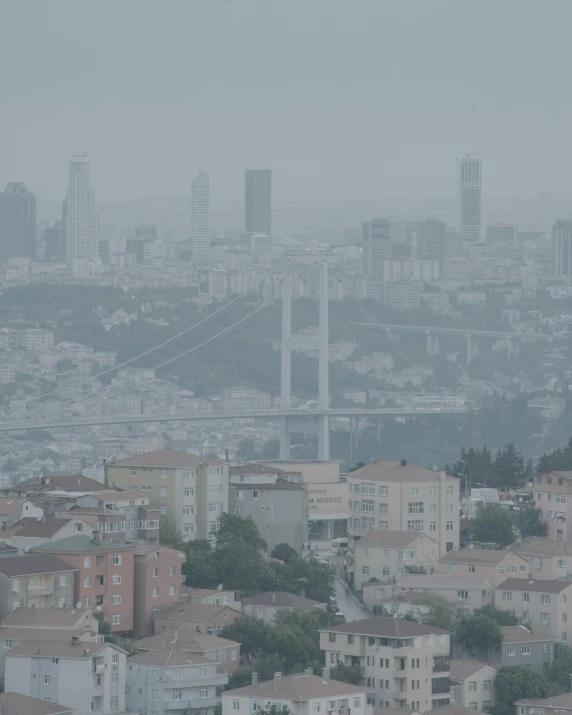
(349, 605)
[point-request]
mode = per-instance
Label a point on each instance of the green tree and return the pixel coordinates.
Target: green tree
(240, 677)
(501, 618)
(493, 524)
(528, 521)
(517, 682)
(169, 535)
(200, 569)
(508, 467)
(559, 673)
(347, 674)
(478, 634)
(234, 529)
(442, 613)
(284, 552)
(245, 450)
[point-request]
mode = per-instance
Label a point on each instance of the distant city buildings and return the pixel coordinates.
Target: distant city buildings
(258, 201)
(17, 222)
(562, 248)
(503, 233)
(376, 246)
(470, 183)
(200, 217)
(81, 219)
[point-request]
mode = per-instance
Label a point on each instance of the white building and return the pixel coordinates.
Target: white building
(200, 211)
(82, 222)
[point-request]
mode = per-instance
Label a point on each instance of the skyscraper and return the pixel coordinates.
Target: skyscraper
(376, 246)
(258, 201)
(200, 217)
(562, 248)
(470, 175)
(81, 220)
(431, 244)
(17, 222)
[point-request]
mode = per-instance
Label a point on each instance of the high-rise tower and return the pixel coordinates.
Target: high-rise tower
(81, 220)
(17, 222)
(470, 176)
(200, 217)
(258, 201)
(376, 246)
(562, 248)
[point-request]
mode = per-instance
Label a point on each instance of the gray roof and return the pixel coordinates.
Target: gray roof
(279, 485)
(386, 627)
(388, 539)
(18, 704)
(486, 557)
(538, 546)
(434, 582)
(33, 564)
(76, 483)
(257, 468)
(201, 612)
(47, 617)
(462, 668)
(169, 658)
(520, 634)
(386, 471)
(282, 599)
(34, 528)
(526, 585)
(167, 458)
(183, 639)
(557, 701)
(58, 649)
(298, 688)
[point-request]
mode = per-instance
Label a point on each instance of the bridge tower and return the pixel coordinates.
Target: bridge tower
(319, 424)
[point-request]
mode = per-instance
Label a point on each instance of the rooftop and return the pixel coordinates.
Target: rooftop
(201, 612)
(538, 546)
(386, 627)
(184, 639)
(168, 658)
(9, 503)
(47, 617)
(18, 704)
(453, 710)
(388, 539)
(424, 581)
(256, 468)
(386, 471)
(33, 564)
(557, 701)
(58, 649)
(526, 585)
(279, 484)
(282, 599)
(520, 634)
(462, 668)
(298, 688)
(486, 557)
(78, 544)
(36, 528)
(167, 458)
(26, 633)
(75, 483)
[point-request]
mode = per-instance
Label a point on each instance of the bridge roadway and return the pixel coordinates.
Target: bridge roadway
(262, 414)
(461, 331)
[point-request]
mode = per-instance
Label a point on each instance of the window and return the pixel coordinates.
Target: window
(177, 694)
(188, 510)
(115, 619)
(368, 488)
(8, 644)
(449, 526)
(87, 562)
(545, 618)
(463, 595)
(449, 490)
(432, 508)
(379, 593)
(471, 568)
(171, 590)
(523, 568)
(156, 592)
(203, 692)
(473, 686)
(432, 526)
(432, 491)
(526, 597)
(507, 596)
(511, 569)
(561, 498)
(473, 706)
(564, 637)
(87, 581)
(116, 579)
(116, 599)
(100, 580)
(416, 507)
(449, 509)
(188, 528)
(163, 492)
(562, 563)
(545, 598)
(385, 571)
(233, 654)
(86, 601)
(188, 473)
(367, 523)
(368, 506)
(236, 704)
(163, 474)
(163, 510)
(525, 650)
(154, 612)
(563, 598)
(365, 553)
(332, 637)
(383, 525)
(63, 580)
(115, 658)
(511, 650)
(190, 492)
(116, 559)
(365, 570)
(451, 568)
(254, 494)
(383, 492)
(415, 525)
(546, 648)
(114, 702)
(155, 572)
(357, 702)
(133, 472)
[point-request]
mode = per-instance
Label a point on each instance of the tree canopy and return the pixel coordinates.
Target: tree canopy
(515, 683)
(493, 524)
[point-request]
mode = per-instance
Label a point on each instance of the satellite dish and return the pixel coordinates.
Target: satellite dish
(78, 604)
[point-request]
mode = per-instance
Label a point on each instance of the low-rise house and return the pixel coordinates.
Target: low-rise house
(548, 559)
(30, 532)
(195, 616)
(386, 555)
(301, 694)
(92, 678)
(212, 597)
(540, 605)
(556, 705)
(521, 646)
(265, 606)
(173, 680)
(18, 704)
(494, 565)
(472, 683)
(469, 593)
(157, 583)
(12, 509)
(410, 603)
(33, 580)
(225, 652)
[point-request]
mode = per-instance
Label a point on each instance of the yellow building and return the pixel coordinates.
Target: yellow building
(190, 490)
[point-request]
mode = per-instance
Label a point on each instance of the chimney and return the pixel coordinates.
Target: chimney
(273, 598)
(254, 680)
(277, 680)
(403, 462)
(97, 537)
(75, 640)
(326, 673)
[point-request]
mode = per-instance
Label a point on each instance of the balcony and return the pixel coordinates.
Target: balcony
(35, 591)
(442, 667)
(195, 704)
(399, 694)
(219, 679)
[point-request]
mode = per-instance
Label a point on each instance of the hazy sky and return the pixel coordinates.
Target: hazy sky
(340, 98)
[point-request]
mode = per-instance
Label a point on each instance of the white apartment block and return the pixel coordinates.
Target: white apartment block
(397, 496)
(88, 677)
(302, 694)
(36, 339)
(472, 684)
(405, 664)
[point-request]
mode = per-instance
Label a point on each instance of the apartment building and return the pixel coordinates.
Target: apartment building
(405, 664)
(212, 597)
(265, 606)
(104, 578)
(12, 509)
(30, 532)
(548, 559)
(39, 581)
(157, 583)
(397, 496)
(381, 600)
(302, 694)
(222, 650)
(386, 555)
(468, 593)
(552, 493)
(522, 646)
(494, 565)
(472, 683)
(541, 605)
(17, 704)
(277, 506)
(170, 680)
(195, 616)
(556, 705)
(90, 677)
(190, 491)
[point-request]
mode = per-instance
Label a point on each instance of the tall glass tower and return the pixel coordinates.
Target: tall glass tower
(470, 176)
(258, 201)
(17, 222)
(200, 217)
(82, 224)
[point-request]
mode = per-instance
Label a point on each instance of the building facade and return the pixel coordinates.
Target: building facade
(472, 684)
(200, 217)
(493, 564)
(82, 223)
(562, 248)
(470, 186)
(376, 246)
(552, 493)
(258, 201)
(17, 222)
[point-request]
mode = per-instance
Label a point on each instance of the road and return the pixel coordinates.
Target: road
(349, 605)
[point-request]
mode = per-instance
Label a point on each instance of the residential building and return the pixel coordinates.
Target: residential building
(376, 244)
(190, 490)
(386, 555)
(29, 532)
(225, 652)
(548, 559)
(470, 186)
(521, 646)
(493, 564)
(552, 494)
(18, 704)
(405, 664)
(200, 217)
(212, 597)
(92, 679)
(17, 222)
(104, 578)
(202, 618)
(278, 507)
(171, 680)
(556, 705)
(468, 593)
(258, 201)
(13, 509)
(397, 496)
(472, 683)
(562, 248)
(33, 580)
(538, 604)
(82, 224)
(302, 694)
(265, 606)
(381, 599)
(157, 583)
